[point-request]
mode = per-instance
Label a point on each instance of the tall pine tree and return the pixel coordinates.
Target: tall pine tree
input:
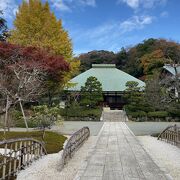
(91, 93)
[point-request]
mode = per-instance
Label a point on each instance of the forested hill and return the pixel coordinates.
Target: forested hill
(140, 60)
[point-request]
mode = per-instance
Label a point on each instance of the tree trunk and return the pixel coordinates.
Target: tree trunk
(24, 117)
(6, 115)
(43, 135)
(49, 99)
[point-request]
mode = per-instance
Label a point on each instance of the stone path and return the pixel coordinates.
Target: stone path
(118, 155)
(114, 116)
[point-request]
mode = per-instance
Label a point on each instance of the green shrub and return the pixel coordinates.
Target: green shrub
(137, 114)
(91, 93)
(78, 111)
(17, 115)
(174, 110)
(92, 112)
(138, 108)
(158, 114)
(20, 123)
(18, 120)
(46, 116)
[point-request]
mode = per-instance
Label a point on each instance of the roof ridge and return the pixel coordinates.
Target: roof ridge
(103, 65)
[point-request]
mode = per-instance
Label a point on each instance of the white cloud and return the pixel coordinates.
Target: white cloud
(164, 14)
(67, 5)
(132, 3)
(9, 8)
(135, 4)
(59, 4)
(136, 22)
(88, 2)
(153, 3)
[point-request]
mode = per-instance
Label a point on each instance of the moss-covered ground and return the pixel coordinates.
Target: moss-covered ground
(53, 141)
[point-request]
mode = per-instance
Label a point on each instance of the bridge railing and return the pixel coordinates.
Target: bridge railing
(171, 135)
(73, 144)
(16, 154)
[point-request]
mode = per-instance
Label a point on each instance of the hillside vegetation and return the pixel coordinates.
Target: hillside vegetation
(139, 60)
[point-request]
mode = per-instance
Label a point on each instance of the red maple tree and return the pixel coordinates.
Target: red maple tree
(24, 72)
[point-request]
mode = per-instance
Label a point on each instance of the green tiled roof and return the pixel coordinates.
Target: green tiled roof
(111, 78)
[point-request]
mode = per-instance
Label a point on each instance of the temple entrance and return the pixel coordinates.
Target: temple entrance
(114, 100)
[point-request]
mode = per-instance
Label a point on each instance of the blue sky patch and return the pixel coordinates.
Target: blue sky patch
(110, 24)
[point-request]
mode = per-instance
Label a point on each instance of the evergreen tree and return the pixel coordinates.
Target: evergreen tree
(135, 98)
(91, 93)
(155, 95)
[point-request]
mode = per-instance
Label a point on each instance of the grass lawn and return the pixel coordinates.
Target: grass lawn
(53, 141)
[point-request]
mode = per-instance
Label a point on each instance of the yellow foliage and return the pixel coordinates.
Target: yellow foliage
(36, 26)
(74, 66)
(148, 61)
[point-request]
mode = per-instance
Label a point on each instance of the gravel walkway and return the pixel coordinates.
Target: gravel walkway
(166, 156)
(48, 167)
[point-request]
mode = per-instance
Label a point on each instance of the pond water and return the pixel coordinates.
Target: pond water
(148, 128)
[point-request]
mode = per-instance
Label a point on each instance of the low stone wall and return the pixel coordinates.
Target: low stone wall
(155, 119)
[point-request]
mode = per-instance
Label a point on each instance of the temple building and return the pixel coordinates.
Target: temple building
(171, 70)
(113, 83)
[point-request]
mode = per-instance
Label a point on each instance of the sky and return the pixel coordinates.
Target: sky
(110, 24)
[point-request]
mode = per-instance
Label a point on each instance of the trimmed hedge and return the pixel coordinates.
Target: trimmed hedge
(152, 116)
(174, 112)
(158, 114)
(138, 114)
(81, 112)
